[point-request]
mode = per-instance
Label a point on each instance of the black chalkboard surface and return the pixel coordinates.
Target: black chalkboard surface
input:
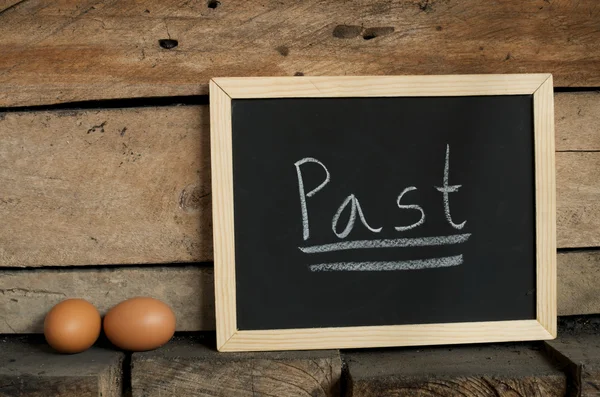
(378, 212)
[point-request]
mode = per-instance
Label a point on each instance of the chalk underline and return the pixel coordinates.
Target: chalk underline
(387, 243)
(383, 266)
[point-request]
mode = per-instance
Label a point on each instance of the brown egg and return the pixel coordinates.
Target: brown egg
(72, 326)
(139, 324)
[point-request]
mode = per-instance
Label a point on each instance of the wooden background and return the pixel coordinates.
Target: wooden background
(104, 151)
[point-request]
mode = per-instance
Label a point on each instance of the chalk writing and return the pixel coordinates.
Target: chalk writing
(303, 196)
(353, 210)
(378, 266)
(446, 190)
(352, 203)
(411, 206)
(387, 243)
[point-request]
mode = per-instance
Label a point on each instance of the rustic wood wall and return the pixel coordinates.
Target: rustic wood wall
(104, 155)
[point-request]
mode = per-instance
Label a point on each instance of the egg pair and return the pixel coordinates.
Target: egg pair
(137, 324)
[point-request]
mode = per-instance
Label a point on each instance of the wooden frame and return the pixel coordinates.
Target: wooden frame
(223, 90)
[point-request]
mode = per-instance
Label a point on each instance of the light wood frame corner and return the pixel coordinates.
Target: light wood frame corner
(223, 90)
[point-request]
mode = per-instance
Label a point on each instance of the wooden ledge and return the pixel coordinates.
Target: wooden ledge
(469, 371)
(192, 366)
(31, 368)
(578, 349)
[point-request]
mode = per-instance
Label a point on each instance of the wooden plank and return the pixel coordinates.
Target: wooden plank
(127, 186)
(75, 50)
(105, 187)
(30, 368)
(578, 281)
(577, 121)
(580, 354)
(492, 370)
(577, 199)
(26, 296)
(8, 5)
(188, 367)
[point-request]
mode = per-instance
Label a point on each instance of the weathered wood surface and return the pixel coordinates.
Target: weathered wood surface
(188, 367)
(578, 277)
(578, 199)
(7, 5)
(470, 371)
(26, 296)
(580, 353)
(126, 186)
(577, 121)
(105, 187)
(74, 50)
(31, 369)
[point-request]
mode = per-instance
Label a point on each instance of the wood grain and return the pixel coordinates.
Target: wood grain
(188, 367)
(55, 52)
(29, 368)
(545, 205)
(26, 296)
(580, 354)
(105, 187)
(577, 199)
(499, 371)
(578, 281)
(8, 5)
(381, 86)
(577, 121)
(223, 211)
(386, 335)
(139, 192)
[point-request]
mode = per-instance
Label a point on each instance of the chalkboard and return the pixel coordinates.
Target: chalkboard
(382, 209)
